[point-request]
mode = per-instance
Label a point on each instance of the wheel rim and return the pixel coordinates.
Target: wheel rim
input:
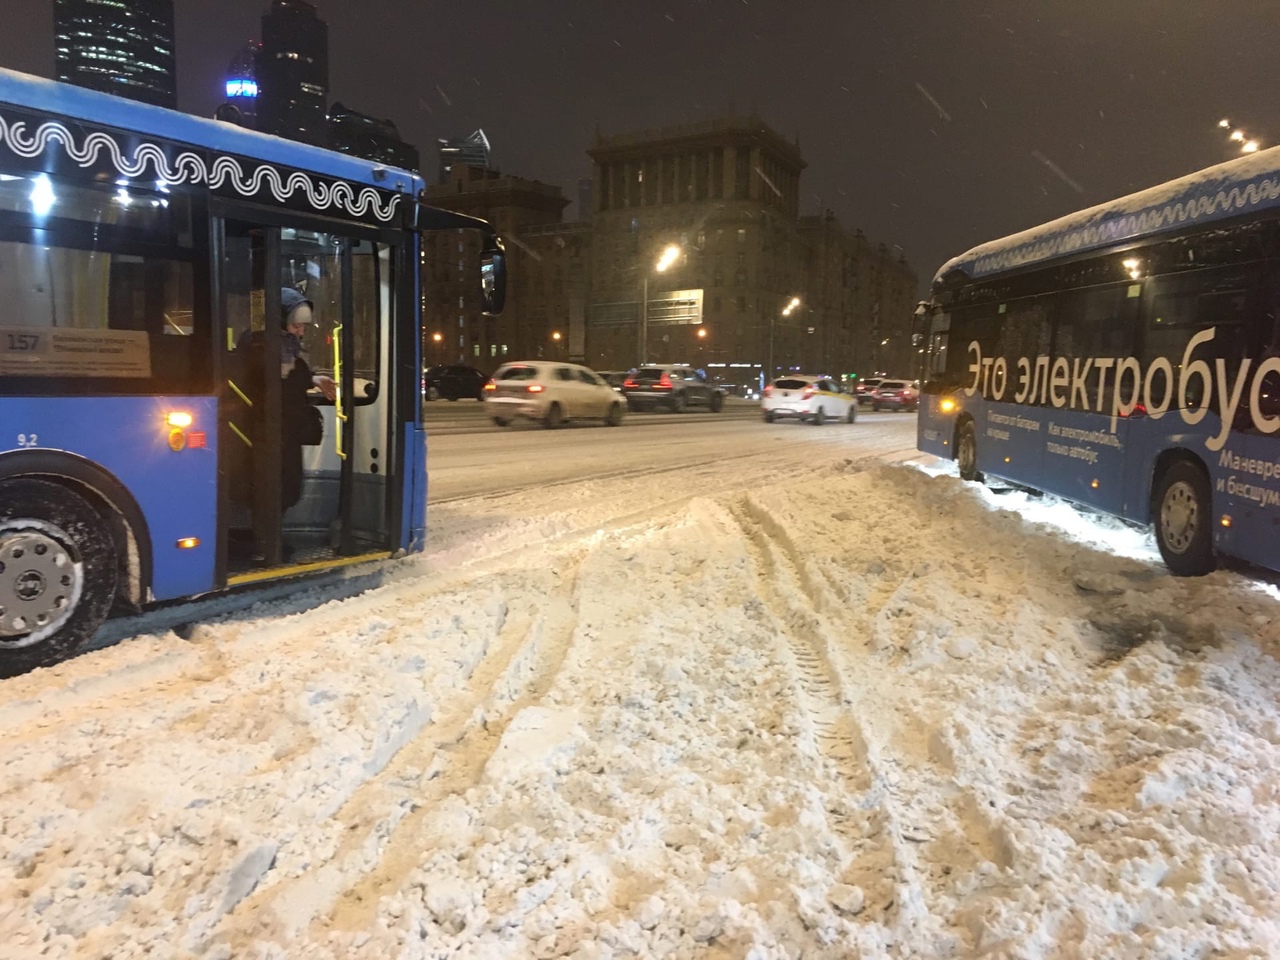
(1179, 516)
(40, 584)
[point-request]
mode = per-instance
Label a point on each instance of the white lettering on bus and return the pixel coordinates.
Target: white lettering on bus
(1199, 388)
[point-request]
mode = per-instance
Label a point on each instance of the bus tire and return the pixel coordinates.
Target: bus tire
(967, 452)
(57, 573)
(1183, 520)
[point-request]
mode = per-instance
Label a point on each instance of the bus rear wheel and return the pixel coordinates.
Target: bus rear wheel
(967, 451)
(57, 574)
(1183, 529)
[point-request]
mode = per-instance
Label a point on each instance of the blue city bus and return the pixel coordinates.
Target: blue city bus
(147, 452)
(1126, 357)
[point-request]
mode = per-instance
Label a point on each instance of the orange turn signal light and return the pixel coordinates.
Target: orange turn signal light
(181, 419)
(188, 543)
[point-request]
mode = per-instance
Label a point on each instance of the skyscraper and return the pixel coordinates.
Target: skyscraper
(293, 73)
(241, 107)
(123, 47)
(472, 151)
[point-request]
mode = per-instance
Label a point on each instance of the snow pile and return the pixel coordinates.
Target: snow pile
(861, 713)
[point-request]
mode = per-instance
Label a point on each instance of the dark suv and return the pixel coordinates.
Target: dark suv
(673, 386)
(453, 381)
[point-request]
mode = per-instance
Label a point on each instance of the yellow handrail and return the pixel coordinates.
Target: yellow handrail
(339, 418)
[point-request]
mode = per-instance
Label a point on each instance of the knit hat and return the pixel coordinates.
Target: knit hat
(291, 300)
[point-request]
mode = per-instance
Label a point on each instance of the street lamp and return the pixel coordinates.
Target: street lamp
(789, 309)
(665, 262)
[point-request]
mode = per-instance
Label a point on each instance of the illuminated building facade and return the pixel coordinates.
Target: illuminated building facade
(121, 47)
(241, 107)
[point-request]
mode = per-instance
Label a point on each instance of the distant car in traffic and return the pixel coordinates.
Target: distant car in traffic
(810, 399)
(454, 381)
(551, 393)
(615, 378)
(673, 386)
(864, 388)
(896, 395)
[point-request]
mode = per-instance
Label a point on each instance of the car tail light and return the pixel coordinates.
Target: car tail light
(768, 391)
(630, 383)
(534, 388)
(491, 386)
(808, 392)
(664, 383)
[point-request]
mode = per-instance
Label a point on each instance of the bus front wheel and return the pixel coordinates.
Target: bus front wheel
(967, 451)
(57, 573)
(1183, 527)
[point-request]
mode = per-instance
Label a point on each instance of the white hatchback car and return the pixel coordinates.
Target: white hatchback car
(813, 399)
(551, 392)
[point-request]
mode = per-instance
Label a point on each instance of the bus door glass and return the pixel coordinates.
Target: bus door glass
(305, 415)
(352, 346)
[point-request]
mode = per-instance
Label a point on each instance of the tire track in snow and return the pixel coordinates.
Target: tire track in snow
(452, 754)
(797, 601)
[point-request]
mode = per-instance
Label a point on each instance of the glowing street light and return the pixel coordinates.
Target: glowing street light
(702, 333)
(1237, 135)
(437, 337)
(789, 309)
(669, 256)
(1250, 146)
(556, 336)
(1224, 123)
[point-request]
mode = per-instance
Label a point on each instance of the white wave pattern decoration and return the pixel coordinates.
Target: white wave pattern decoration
(1262, 192)
(189, 167)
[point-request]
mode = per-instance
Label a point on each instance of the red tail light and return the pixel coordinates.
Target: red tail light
(534, 388)
(665, 382)
(630, 383)
(768, 391)
(491, 386)
(808, 392)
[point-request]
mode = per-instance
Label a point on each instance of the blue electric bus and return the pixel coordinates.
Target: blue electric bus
(145, 257)
(1126, 357)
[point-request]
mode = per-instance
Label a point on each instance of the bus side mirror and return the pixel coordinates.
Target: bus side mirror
(493, 276)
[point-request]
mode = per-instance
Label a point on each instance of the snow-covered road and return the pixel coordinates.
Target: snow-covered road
(751, 692)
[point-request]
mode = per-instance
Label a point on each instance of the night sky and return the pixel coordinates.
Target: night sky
(931, 125)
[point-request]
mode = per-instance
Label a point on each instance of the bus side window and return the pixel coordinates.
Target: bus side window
(1096, 323)
(1183, 305)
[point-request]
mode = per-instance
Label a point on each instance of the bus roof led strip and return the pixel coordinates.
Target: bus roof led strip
(190, 168)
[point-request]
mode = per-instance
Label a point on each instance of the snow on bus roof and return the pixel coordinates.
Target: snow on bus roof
(38, 93)
(1230, 189)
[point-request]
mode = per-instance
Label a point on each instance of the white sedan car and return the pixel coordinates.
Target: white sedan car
(551, 392)
(812, 399)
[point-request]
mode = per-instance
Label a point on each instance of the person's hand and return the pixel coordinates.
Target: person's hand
(327, 386)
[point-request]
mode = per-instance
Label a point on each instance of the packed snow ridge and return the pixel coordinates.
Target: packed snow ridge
(864, 711)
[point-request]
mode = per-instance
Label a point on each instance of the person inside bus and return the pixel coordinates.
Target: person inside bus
(301, 423)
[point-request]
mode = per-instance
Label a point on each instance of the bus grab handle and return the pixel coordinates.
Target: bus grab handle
(339, 418)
